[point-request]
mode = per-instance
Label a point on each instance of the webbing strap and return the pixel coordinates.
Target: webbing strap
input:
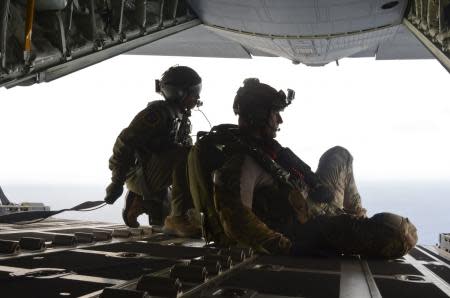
(28, 217)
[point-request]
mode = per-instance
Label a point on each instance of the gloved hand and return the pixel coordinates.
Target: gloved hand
(278, 245)
(113, 192)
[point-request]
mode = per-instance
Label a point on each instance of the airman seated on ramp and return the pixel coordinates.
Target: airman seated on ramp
(253, 192)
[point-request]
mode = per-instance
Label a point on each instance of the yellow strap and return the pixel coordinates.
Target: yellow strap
(29, 28)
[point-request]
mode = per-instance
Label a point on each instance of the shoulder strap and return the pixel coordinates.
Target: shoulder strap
(280, 174)
(179, 125)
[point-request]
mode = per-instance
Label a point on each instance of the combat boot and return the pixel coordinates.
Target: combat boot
(133, 208)
(183, 226)
(385, 235)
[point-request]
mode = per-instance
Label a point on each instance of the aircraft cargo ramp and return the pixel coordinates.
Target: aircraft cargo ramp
(65, 258)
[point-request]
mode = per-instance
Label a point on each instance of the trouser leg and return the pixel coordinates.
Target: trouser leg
(385, 235)
(336, 171)
(159, 172)
(181, 200)
(183, 220)
(156, 206)
(152, 179)
(152, 190)
(133, 209)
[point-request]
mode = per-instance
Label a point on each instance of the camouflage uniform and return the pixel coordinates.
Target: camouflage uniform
(335, 170)
(148, 158)
(246, 205)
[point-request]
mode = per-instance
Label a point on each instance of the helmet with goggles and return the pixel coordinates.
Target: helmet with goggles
(178, 82)
(255, 100)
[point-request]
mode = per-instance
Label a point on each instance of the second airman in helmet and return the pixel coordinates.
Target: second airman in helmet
(150, 155)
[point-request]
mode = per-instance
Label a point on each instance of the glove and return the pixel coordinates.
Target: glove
(113, 192)
(278, 245)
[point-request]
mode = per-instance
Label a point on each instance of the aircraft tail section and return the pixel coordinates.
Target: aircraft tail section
(4, 200)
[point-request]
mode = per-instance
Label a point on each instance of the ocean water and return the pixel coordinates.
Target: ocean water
(426, 204)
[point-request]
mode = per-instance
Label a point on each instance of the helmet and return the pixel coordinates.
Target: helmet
(177, 82)
(255, 100)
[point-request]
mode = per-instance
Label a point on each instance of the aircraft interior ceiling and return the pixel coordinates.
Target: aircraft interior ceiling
(41, 40)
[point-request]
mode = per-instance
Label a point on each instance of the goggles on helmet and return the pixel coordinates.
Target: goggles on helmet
(194, 90)
(282, 100)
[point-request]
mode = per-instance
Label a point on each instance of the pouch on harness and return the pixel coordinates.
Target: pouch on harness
(209, 154)
(206, 156)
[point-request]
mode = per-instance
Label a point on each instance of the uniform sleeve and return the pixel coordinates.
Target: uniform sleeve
(238, 220)
(146, 132)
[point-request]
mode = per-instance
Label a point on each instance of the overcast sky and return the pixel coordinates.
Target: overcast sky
(394, 116)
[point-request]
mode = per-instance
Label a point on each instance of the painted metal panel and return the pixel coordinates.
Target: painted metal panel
(298, 18)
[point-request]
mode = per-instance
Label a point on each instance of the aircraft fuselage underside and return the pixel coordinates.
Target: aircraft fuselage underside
(41, 40)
